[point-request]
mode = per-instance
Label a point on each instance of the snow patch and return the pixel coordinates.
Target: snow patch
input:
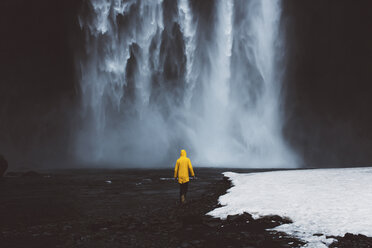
(326, 201)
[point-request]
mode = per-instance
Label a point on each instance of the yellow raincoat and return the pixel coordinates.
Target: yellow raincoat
(183, 165)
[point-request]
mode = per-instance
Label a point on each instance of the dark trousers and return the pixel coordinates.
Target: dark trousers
(183, 188)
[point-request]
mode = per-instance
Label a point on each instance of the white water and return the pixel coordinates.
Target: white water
(160, 76)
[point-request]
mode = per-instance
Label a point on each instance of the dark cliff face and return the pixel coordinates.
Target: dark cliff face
(329, 75)
(37, 80)
(328, 92)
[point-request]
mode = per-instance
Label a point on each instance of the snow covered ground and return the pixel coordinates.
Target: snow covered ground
(326, 201)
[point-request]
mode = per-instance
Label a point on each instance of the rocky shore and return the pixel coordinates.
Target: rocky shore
(131, 208)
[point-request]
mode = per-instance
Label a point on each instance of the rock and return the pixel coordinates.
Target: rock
(47, 234)
(3, 165)
(14, 174)
(318, 234)
(351, 241)
(31, 174)
(185, 245)
(331, 237)
(67, 227)
(350, 236)
(232, 217)
(361, 236)
(212, 222)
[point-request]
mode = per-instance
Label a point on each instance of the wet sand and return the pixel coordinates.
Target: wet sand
(125, 208)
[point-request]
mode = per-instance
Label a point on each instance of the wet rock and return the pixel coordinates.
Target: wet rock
(232, 217)
(352, 241)
(13, 174)
(31, 174)
(212, 222)
(47, 234)
(195, 242)
(350, 236)
(185, 245)
(67, 227)
(331, 237)
(159, 225)
(191, 220)
(3, 165)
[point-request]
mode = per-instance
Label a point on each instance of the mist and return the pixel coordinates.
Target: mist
(159, 76)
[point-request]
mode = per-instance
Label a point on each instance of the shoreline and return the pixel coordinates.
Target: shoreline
(137, 209)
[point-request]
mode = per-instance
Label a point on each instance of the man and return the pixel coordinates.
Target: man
(181, 171)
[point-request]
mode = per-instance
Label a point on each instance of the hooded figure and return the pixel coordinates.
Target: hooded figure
(181, 171)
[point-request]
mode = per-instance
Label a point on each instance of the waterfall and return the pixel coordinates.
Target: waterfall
(158, 76)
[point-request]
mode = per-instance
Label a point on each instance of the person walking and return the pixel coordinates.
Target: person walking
(181, 174)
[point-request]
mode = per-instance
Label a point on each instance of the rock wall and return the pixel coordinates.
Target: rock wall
(3, 165)
(329, 75)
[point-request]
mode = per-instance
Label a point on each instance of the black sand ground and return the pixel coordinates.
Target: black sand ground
(139, 208)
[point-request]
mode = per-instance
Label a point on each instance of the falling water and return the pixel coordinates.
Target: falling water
(157, 76)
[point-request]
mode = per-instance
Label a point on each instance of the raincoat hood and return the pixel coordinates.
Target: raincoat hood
(182, 168)
(183, 153)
